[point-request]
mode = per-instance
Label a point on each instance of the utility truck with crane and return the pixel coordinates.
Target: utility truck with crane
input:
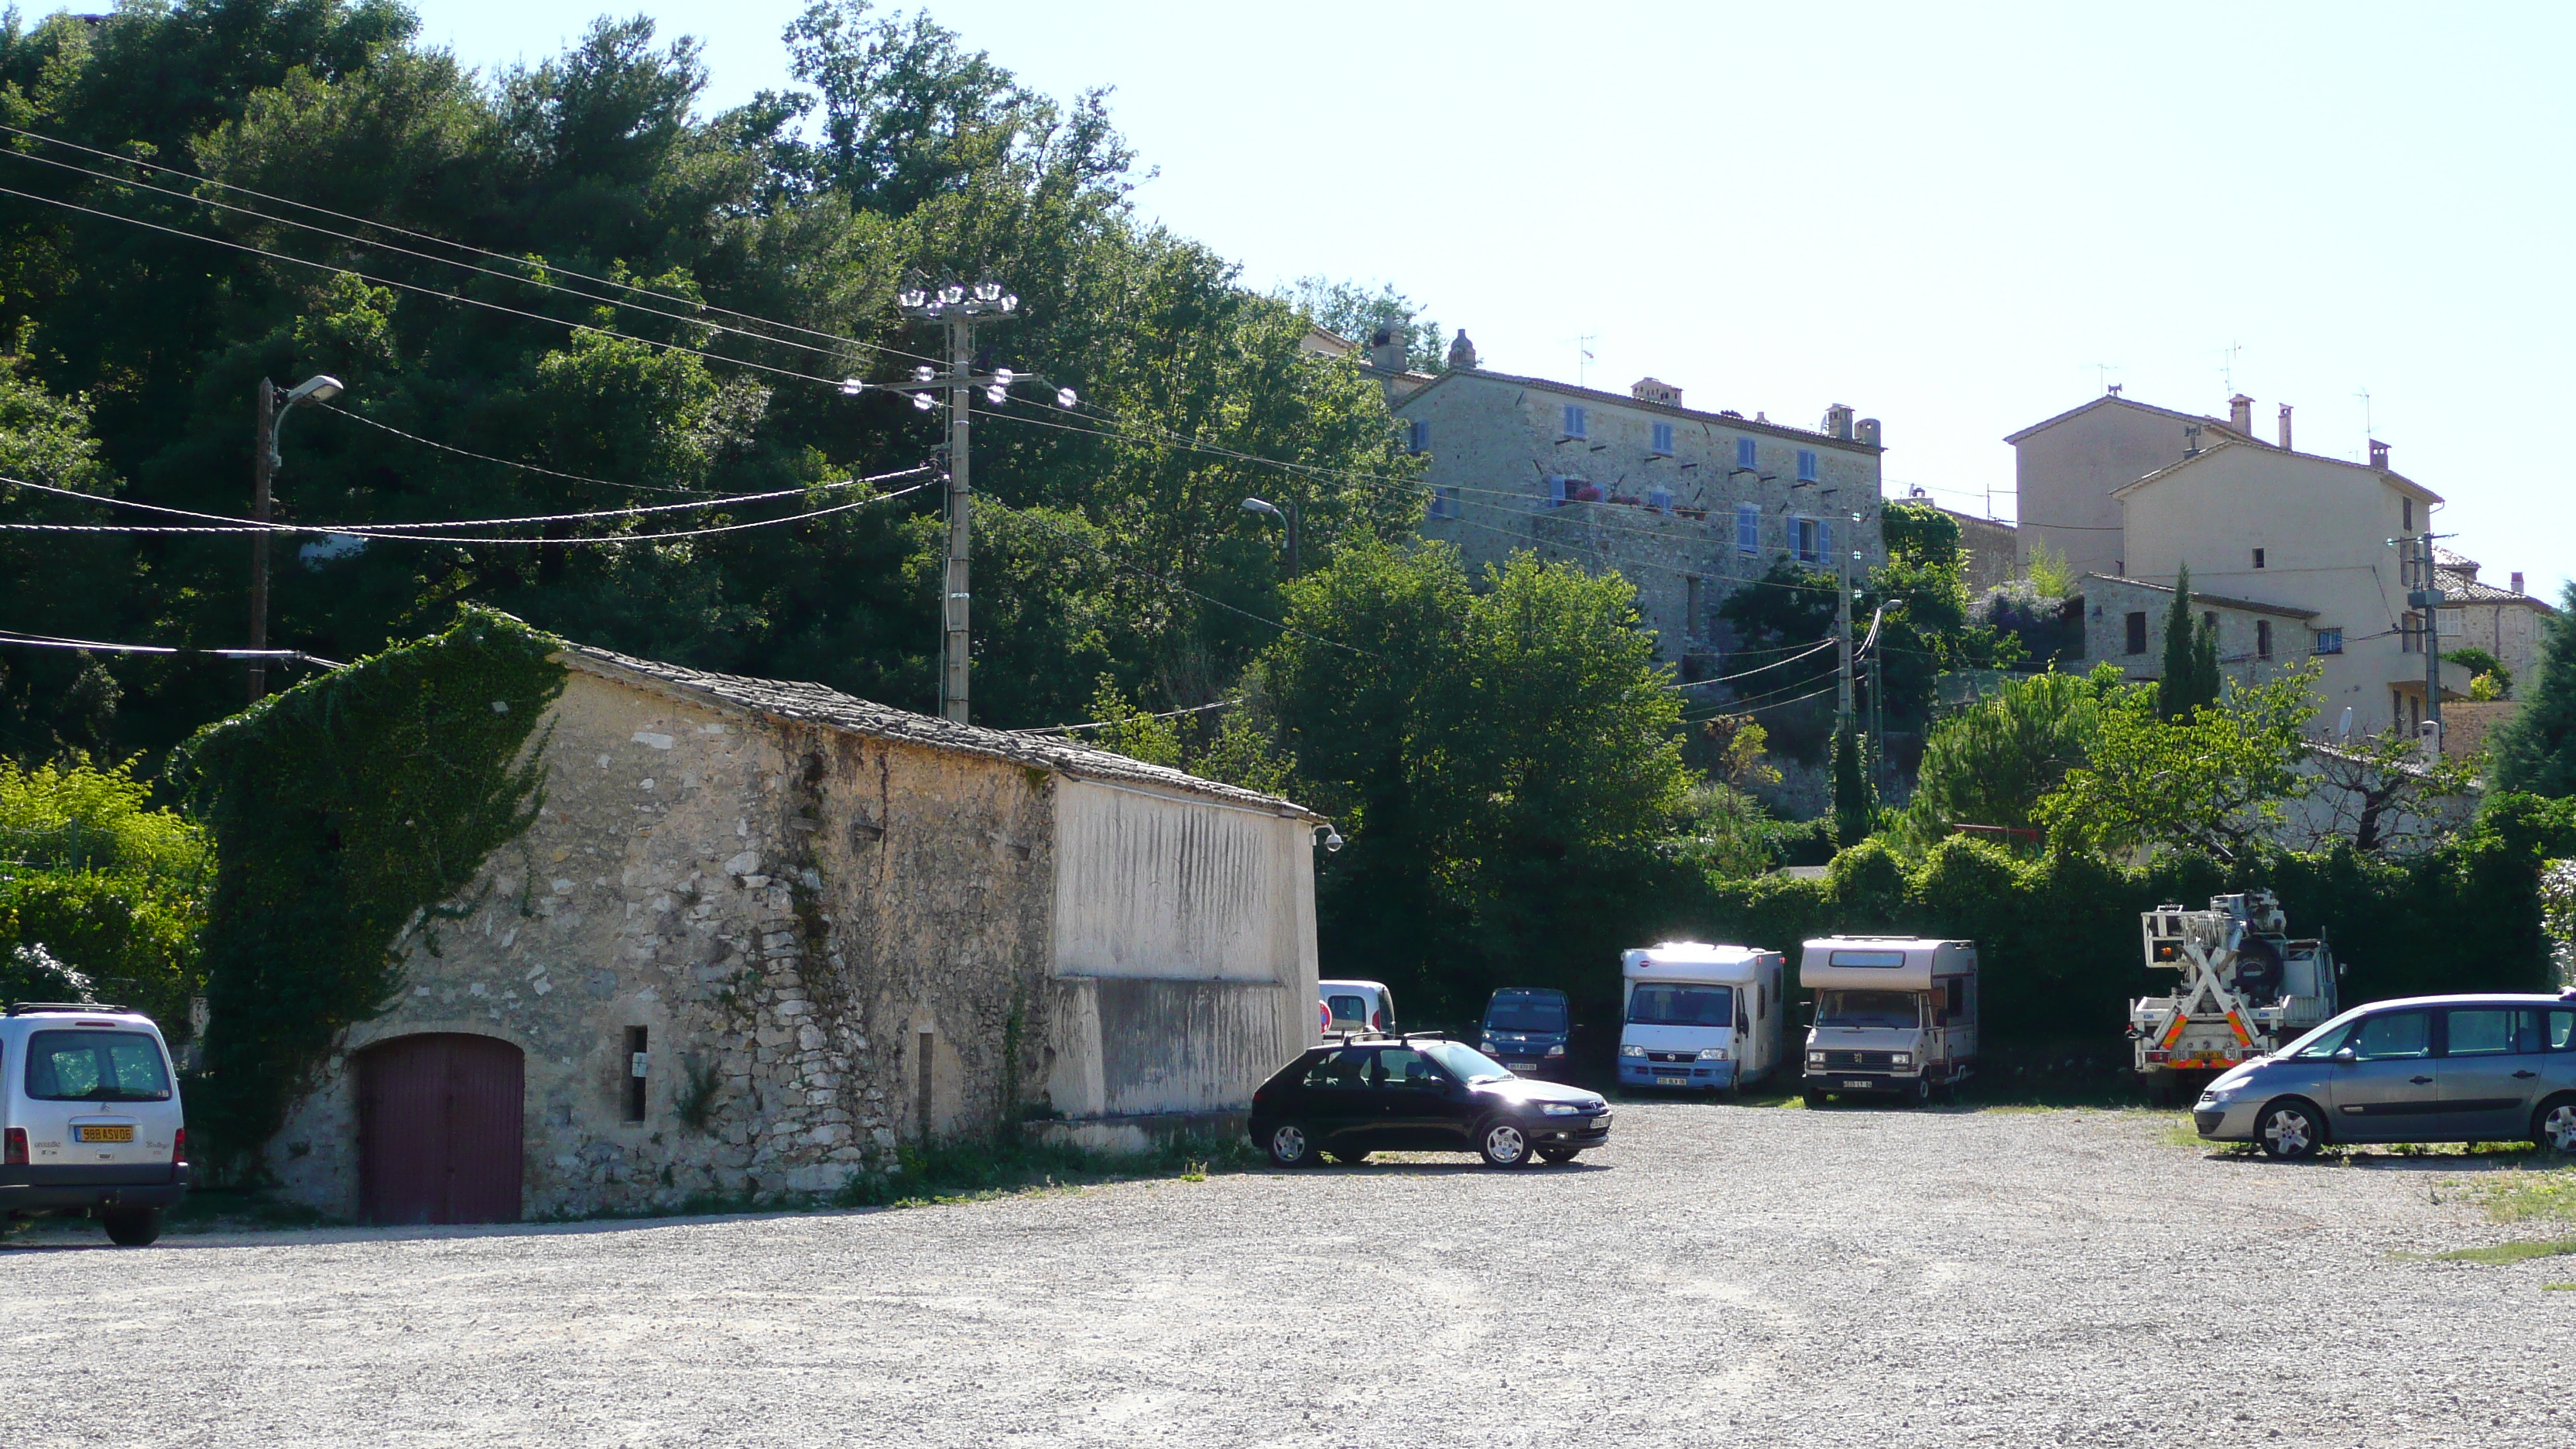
(2247, 987)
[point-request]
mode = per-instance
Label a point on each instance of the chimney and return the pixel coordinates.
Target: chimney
(2240, 414)
(1387, 347)
(2285, 427)
(1654, 390)
(2517, 581)
(1462, 353)
(2378, 454)
(1868, 432)
(1838, 421)
(2191, 440)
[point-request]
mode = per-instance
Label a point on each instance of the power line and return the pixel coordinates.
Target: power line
(420, 290)
(1066, 729)
(49, 641)
(426, 237)
(1819, 648)
(358, 417)
(367, 531)
(699, 506)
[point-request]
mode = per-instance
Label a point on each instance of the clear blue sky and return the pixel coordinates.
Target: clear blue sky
(1947, 216)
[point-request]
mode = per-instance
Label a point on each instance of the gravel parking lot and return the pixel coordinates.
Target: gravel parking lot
(1845, 1277)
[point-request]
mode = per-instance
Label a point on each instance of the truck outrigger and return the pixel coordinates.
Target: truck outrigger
(2246, 988)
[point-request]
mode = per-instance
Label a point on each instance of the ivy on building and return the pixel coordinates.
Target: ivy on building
(347, 813)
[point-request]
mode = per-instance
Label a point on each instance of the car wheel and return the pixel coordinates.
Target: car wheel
(2290, 1129)
(1350, 1159)
(1559, 1154)
(1815, 1098)
(132, 1227)
(1289, 1145)
(1504, 1144)
(1922, 1090)
(2554, 1125)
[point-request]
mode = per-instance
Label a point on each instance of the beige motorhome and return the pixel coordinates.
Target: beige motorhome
(1893, 1015)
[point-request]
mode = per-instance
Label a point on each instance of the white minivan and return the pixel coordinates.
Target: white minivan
(89, 1110)
(1702, 1017)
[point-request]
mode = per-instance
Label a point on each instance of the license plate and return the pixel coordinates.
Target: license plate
(1672, 1081)
(1523, 1066)
(106, 1134)
(1856, 1084)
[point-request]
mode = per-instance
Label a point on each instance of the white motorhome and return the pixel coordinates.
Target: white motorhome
(1701, 1016)
(1343, 1007)
(1892, 1015)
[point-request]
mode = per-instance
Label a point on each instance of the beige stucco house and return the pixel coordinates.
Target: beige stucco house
(2272, 526)
(762, 933)
(1687, 505)
(2067, 469)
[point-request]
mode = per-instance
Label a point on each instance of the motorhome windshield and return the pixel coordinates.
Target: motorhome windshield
(1867, 1008)
(1662, 1005)
(1526, 1013)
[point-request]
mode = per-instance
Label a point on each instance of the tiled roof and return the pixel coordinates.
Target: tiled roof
(1734, 421)
(2220, 425)
(2465, 587)
(818, 704)
(2248, 605)
(2205, 454)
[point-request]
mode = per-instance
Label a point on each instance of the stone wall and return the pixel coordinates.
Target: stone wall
(792, 914)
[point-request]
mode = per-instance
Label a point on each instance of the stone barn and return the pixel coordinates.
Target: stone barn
(762, 933)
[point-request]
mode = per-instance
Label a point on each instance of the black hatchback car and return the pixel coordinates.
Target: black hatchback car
(1421, 1094)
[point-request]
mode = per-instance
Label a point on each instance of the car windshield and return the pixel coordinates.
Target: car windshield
(95, 1066)
(1464, 1062)
(1526, 1013)
(1867, 1008)
(1667, 1005)
(2323, 1040)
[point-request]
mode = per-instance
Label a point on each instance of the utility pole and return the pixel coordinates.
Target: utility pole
(2430, 599)
(958, 308)
(1842, 630)
(273, 408)
(263, 459)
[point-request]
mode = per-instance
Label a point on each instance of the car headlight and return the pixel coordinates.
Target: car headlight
(2220, 1096)
(1632, 1051)
(1557, 1050)
(1712, 1054)
(1486, 1046)
(1560, 1109)
(1815, 1059)
(1900, 1059)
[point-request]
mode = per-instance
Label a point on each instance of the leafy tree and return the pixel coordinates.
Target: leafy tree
(1991, 763)
(2212, 781)
(2535, 751)
(1348, 309)
(1505, 764)
(1855, 798)
(2191, 674)
(2488, 678)
(2378, 793)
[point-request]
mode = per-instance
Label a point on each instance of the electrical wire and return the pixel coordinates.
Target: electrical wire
(1066, 729)
(255, 525)
(358, 417)
(49, 641)
(1820, 647)
(368, 532)
(420, 290)
(432, 238)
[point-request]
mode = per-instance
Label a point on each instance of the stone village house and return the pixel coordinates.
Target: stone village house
(763, 932)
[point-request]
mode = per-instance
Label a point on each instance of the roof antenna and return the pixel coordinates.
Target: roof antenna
(2227, 366)
(1583, 354)
(2368, 429)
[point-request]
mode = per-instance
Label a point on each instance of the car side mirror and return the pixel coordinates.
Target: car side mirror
(2346, 1056)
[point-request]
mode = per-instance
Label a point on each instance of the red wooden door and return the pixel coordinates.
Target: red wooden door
(440, 1129)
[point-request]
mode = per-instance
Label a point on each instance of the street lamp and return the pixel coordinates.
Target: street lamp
(1287, 517)
(273, 408)
(957, 308)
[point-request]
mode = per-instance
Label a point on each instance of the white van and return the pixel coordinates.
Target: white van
(1893, 1014)
(1701, 1016)
(1343, 1007)
(89, 1110)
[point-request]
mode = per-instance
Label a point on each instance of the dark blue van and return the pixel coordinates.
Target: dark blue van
(1527, 1029)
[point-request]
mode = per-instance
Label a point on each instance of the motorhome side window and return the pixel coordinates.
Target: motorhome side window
(1954, 1000)
(1881, 960)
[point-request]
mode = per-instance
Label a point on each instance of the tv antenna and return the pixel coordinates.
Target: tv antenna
(2227, 366)
(2102, 376)
(1583, 355)
(2369, 430)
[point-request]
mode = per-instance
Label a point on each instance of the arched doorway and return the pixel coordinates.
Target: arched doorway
(440, 1131)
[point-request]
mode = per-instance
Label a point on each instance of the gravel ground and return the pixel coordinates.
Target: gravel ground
(1845, 1277)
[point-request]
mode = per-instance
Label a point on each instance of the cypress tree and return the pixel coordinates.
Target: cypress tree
(2536, 749)
(2191, 658)
(1855, 802)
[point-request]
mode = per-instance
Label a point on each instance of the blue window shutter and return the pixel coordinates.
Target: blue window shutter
(1748, 528)
(1556, 488)
(1806, 465)
(1744, 457)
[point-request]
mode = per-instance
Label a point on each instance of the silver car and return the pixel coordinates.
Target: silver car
(2489, 1068)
